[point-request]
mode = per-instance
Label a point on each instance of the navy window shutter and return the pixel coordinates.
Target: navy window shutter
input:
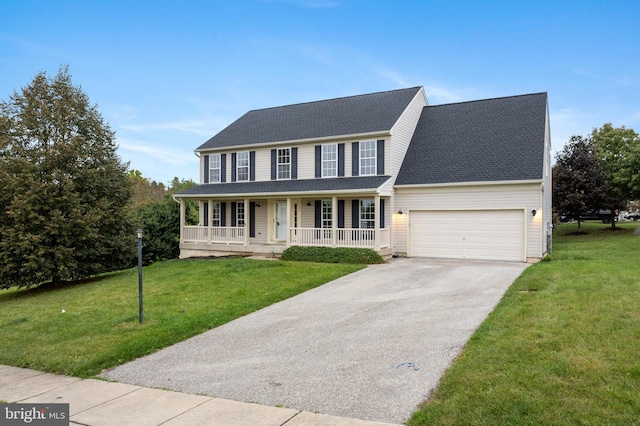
(380, 157)
(252, 165)
(205, 211)
(223, 167)
(318, 161)
(355, 213)
(318, 214)
(340, 159)
(381, 213)
(206, 169)
(252, 219)
(233, 167)
(340, 213)
(233, 213)
(294, 163)
(355, 159)
(223, 214)
(274, 164)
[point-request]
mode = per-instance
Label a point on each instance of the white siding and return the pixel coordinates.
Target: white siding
(261, 222)
(547, 187)
(482, 197)
(402, 132)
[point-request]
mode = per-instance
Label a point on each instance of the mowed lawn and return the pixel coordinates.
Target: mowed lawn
(561, 348)
(83, 328)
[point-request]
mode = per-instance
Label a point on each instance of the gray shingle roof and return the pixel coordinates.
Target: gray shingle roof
(372, 112)
(488, 140)
(287, 186)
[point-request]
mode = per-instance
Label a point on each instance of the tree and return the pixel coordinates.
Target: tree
(579, 181)
(618, 149)
(160, 220)
(65, 192)
(145, 191)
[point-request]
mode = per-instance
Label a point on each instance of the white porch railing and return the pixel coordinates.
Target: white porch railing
(219, 234)
(345, 237)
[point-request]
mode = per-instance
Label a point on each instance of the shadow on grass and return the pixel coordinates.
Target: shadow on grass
(14, 293)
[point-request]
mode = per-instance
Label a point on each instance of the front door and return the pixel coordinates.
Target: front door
(281, 220)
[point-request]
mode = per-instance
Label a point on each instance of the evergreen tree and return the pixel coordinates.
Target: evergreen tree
(65, 192)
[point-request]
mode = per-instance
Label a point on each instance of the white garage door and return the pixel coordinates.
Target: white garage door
(486, 234)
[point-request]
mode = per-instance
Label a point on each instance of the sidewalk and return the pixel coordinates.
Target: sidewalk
(96, 402)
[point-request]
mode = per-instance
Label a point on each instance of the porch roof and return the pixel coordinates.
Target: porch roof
(284, 187)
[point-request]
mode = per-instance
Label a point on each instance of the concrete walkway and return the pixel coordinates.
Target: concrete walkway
(371, 345)
(96, 402)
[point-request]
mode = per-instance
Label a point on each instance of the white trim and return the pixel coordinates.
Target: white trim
(476, 183)
(326, 139)
(323, 161)
(287, 164)
(278, 194)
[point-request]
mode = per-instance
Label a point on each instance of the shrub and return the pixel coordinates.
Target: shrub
(332, 255)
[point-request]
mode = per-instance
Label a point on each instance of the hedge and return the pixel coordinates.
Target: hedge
(332, 255)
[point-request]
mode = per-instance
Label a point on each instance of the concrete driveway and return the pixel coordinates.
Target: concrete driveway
(371, 345)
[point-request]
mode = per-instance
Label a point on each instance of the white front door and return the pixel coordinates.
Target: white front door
(281, 220)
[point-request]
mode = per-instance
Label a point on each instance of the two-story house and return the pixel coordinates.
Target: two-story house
(382, 170)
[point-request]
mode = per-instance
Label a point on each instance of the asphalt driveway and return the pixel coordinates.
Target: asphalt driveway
(371, 345)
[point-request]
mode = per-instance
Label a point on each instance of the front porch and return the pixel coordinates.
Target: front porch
(269, 226)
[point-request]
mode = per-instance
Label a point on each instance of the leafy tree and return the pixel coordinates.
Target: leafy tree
(579, 181)
(145, 190)
(618, 149)
(160, 221)
(65, 192)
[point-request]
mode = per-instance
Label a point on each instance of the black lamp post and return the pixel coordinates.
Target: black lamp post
(140, 276)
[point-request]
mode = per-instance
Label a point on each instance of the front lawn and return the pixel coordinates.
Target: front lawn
(563, 345)
(83, 328)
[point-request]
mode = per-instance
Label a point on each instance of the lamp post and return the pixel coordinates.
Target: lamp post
(140, 275)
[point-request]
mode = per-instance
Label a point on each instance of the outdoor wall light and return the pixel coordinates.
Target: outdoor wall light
(400, 212)
(533, 212)
(308, 203)
(257, 205)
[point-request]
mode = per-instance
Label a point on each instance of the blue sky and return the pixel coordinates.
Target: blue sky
(168, 75)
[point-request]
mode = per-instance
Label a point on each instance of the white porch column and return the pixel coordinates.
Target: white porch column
(334, 221)
(289, 222)
(210, 221)
(376, 243)
(182, 219)
(247, 219)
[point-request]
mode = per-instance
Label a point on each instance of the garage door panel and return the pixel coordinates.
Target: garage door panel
(490, 235)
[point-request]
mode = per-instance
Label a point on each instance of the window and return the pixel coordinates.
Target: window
(367, 158)
(326, 214)
(367, 214)
(284, 163)
(242, 166)
(214, 168)
(330, 160)
(215, 214)
(240, 215)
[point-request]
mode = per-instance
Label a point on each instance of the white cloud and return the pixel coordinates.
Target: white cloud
(161, 154)
(198, 127)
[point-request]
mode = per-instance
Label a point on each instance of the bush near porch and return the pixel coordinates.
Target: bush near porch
(332, 255)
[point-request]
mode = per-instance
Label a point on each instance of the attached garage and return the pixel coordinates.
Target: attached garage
(467, 234)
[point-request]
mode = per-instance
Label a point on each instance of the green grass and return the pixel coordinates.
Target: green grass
(563, 345)
(99, 326)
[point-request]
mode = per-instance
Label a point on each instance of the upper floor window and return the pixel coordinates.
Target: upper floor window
(215, 165)
(242, 166)
(367, 214)
(284, 163)
(368, 158)
(330, 160)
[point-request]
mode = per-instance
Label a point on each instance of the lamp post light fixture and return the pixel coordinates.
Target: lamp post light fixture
(140, 276)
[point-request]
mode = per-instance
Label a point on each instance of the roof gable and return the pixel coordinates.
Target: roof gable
(490, 140)
(374, 112)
